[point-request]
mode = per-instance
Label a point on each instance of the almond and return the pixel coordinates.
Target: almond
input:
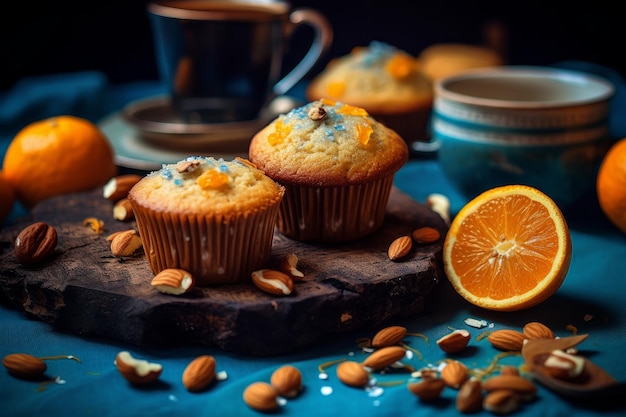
(501, 402)
(137, 371)
(384, 357)
(388, 336)
(470, 396)
(536, 330)
(261, 396)
(454, 374)
(199, 373)
(400, 248)
(289, 265)
(506, 339)
(174, 281)
(353, 374)
(427, 389)
(518, 384)
(425, 235)
(23, 365)
(272, 282)
(118, 187)
(125, 243)
(123, 210)
(35, 243)
(455, 341)
(287, 381)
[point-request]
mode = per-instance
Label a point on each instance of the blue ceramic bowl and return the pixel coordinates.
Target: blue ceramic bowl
(543, 127)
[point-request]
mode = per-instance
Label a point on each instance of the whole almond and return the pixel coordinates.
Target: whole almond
(518, 384)
(384, 357)
(454, 374)
(118, 187)
(123, 210)
(427, 389)
(470, 396)
(261, 396)
(400, 248)
(507, 339)
(287, 381)
(199, 373)
(353, 374)
(501, 402)
(125, 243)
(35, 243)
(455, 341)
(425, 235)
(23, 365)
(272, 282)
(388, 336)
(536, 330)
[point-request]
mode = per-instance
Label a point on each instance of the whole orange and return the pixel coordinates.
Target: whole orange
(611, 184)
(7, 198)
(56, 156)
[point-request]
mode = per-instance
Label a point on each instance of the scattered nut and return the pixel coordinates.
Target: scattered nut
(137, 371)
(353, 374)
(425, 235)
(261, 396)
(384, 357)
(388, 336)
(287, 381)
(470, 396)
(199, 373)
(118, 187)
(440, 204)
(400, 248)
(427, 389)
(454, 374)
(536, 330)
(123, 210)
(187, 166)
(561, 365)
(501, 402)
(289, 264)
(273, 282)
(518, 384)
(454, 342)
(174, 281)
(25, 366)
(35, 243)
(125, 243)
(506, 339)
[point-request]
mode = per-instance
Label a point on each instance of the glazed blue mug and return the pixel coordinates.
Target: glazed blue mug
(221, 60)
(539, 126)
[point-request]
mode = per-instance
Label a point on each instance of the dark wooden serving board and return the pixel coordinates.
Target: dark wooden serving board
(85, 290)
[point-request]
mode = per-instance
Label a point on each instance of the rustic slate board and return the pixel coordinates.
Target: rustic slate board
(85, 290)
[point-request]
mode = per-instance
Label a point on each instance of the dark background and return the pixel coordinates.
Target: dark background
(114, 36)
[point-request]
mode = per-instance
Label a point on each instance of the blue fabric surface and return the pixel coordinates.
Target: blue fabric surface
(593, 298)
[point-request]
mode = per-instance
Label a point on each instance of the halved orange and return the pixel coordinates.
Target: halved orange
(508, 249)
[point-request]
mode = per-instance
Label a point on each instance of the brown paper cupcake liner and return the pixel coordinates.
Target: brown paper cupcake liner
(214, 249)
(334, 214)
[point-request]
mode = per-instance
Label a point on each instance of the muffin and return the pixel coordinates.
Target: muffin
(211, 217)
(337, 164)
(383, 80)
(446, 59)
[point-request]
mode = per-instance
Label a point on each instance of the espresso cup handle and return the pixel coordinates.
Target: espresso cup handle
(322, 40)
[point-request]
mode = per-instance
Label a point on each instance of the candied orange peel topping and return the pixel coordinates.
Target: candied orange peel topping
(281, 131)
(212, 179)
(401, 66)
(363, 132)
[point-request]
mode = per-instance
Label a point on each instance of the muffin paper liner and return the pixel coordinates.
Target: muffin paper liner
(214, 249)
(334, 214)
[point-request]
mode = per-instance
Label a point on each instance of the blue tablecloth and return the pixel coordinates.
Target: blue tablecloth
(593, 299)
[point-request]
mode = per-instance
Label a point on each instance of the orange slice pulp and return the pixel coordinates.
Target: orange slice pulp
(508, 249)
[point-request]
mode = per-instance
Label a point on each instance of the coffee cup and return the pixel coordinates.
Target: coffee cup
(221, 60)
